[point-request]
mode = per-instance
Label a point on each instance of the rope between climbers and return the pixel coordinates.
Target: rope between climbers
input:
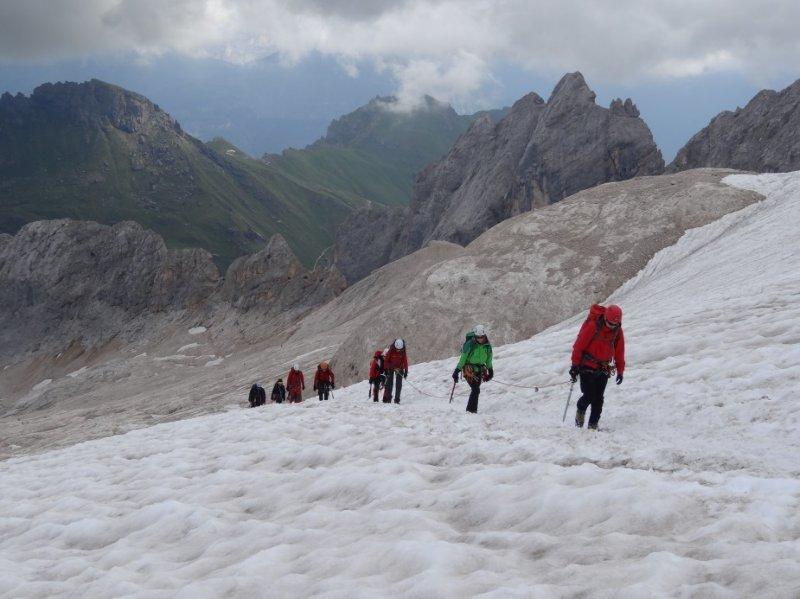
(418, 390)
(533, 388)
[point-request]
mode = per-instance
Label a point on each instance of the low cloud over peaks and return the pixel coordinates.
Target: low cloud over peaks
(442, 47)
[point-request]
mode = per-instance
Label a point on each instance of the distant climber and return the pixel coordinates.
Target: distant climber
(475, 364)
(278, 394)
(295, 384)
(257, 396)
(324, 381)
(376, 376)
(395, 364)
(598, 352)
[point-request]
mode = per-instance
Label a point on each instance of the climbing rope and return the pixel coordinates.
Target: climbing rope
(418, 390)
(507, 384)
(535, 388)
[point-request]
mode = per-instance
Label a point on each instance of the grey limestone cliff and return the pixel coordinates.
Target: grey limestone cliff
(67, 282)
(538, 154)
(275, 280)
(764, 136)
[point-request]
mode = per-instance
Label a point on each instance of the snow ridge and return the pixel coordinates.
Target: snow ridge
(691, 488)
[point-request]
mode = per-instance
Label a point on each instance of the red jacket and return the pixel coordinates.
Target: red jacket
(324, 376)
(375, 367)
(295, 380)
(395, 359)
(595, 345)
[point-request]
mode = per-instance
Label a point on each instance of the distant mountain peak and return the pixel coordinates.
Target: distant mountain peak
(96, 151)
(572, 87)
(760, 137)
(92, 100)
(378, 117)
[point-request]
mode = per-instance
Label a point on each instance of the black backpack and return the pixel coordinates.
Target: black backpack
(257, 396)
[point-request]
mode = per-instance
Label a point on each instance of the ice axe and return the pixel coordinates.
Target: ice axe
(566, 407)
(453, 390)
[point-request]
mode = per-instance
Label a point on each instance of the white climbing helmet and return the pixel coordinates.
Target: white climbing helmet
(479, 330)
(295, 366)
(398, 343)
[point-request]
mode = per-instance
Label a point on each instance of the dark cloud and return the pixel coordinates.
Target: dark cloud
(442, 45)
(349, 9)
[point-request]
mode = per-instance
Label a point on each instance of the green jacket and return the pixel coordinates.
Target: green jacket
(476, 353)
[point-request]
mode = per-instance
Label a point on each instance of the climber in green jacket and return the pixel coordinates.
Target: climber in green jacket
(476, 364)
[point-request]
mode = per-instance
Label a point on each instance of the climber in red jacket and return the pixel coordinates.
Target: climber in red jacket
(295, 383)
(376, 376)
(395, 364)
(598, 352)
(324, 381)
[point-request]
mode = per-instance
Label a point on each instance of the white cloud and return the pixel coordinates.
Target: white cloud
(689, 67)
(442, 47)
(454, 80)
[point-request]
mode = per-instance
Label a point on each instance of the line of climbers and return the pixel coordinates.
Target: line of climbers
(597, 354)
(324, 383)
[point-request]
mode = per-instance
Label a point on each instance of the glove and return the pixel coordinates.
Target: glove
(382, 379)
(489, 375)
(314, 388)
(333, 386)
(455, 374)
(619, 379)
(405, 374)
(573, 373)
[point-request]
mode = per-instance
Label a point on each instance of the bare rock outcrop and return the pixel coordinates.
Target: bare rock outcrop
(67, 282)
(764, 136)
(64, 280)
(366, 239)
(85, 103)
(538, 154)
(275, 280)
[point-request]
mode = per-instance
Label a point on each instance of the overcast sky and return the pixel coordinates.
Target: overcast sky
(457, 50)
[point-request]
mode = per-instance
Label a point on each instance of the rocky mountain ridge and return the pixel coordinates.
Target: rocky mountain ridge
(95, 151)
(70, 283)
(764, 136)
(539, 153)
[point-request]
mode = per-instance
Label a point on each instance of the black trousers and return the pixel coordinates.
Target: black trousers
(593, 387)
(475, 391)
(323, 391)
(375, 387)
(394, 380)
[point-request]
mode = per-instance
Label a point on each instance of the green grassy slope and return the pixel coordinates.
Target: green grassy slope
(94, 151)
(375, 152)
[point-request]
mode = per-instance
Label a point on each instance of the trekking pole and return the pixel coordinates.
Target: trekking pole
(566, 407)
(453, 391)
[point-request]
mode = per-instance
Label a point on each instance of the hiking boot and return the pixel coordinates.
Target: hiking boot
(579, 414)
(592, 426)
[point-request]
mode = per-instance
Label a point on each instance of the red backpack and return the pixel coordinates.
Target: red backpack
(597, 316)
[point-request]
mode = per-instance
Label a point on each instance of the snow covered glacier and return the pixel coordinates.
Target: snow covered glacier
(691, 489)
